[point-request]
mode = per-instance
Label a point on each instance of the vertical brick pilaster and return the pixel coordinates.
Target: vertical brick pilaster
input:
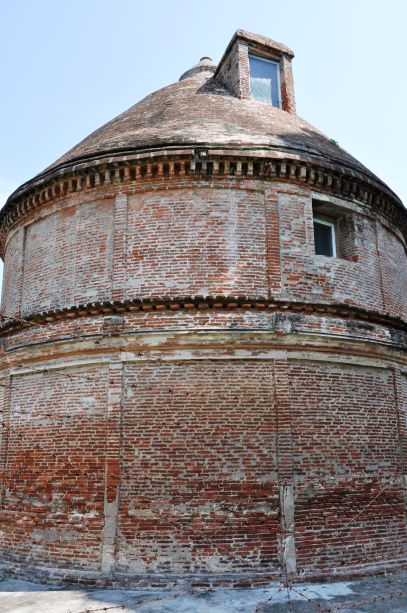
(13, 281)
(112, 464)
(119, 247)
(20, 285)
(244, 70)
(379, 252)
(273, 243)
(285, 467)
(400, 395)
(5, 409)
(287, 85)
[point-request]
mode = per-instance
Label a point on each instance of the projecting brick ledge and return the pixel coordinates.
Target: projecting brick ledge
(199, 302)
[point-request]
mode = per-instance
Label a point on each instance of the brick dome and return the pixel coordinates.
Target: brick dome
(204, 323)
(201, 110)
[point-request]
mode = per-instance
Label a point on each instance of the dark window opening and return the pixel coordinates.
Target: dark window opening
(324, 238)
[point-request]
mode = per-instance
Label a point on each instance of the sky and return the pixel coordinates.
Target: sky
(69, 66)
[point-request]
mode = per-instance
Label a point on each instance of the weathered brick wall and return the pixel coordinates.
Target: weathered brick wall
(68, 257)
(53, 490)
(346, 449)
(267, 320)
(394, 272)
(401, 392)
(287, 85)
(229, 72)
(13, 274)
(252, 239)
(307, 276)
(196, 242)
(192, 454)
(196, 460)
(199, 484)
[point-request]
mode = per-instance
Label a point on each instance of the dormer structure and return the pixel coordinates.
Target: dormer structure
(258, 68)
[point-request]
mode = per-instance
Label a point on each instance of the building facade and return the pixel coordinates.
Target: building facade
(203, 340)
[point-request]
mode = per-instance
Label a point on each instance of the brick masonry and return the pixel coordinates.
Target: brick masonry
(185, 387)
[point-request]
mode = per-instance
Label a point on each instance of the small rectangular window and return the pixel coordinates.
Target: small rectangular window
(265, 80)
(324, 238)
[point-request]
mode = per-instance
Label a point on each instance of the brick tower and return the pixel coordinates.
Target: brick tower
(203, 329)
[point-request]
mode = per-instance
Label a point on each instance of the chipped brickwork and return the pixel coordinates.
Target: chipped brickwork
(204, 242)
(345, 446)
(53, 504)
(186, 478)
(68, 258)
(244, 239)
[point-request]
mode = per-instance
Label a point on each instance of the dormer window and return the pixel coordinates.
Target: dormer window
(265, 80)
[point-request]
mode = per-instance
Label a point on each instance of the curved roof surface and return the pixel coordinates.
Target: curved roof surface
(199, 110)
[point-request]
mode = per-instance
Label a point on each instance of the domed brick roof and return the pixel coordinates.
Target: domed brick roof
(211, 107)
(199, 110)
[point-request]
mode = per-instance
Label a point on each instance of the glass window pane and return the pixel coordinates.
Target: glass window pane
(264, 81)
(323, 236)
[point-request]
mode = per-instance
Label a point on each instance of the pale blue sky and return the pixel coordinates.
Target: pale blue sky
(68, 66)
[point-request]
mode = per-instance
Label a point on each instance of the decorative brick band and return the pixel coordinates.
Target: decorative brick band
(183, 165)
(10, 324)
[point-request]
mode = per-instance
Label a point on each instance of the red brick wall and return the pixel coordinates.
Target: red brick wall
(205, 240)
(394, 272)
(287, 85)
(203, 447)
(314, 278)
(346, 449)
(196, 241)
(198, 485)
(13, 274)
(401, 390)
(54, 483)
(266, 320)
(191, 476)
(229, 72)
(68, 257)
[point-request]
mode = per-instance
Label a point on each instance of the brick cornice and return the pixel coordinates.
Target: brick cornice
(186, 165)
(191, 303)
